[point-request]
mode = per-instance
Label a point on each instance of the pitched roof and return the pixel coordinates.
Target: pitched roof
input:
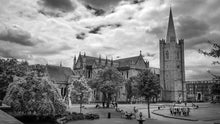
(91, 60)
(127, 61)
(59, 74)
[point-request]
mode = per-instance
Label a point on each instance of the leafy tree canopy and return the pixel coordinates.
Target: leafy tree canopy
(8, 69)
(148, 84)
(108, 81)
(34, 95)
(78, 88)
(131, 87)
(214, 52)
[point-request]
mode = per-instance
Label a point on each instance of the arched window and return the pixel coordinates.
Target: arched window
(178, 55)
(167, 55)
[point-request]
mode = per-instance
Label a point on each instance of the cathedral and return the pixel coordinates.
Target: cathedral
(172, 67)
(88, 66)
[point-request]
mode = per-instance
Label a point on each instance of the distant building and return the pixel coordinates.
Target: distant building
(172, 67)
(88, 66)
(197, 91)
(60, 76)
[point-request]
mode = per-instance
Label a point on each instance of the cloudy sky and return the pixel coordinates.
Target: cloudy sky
(51, 31)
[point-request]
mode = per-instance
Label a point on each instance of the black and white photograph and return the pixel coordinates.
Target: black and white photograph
(109, 61)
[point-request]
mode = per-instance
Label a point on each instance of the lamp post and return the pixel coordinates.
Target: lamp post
(81, 96)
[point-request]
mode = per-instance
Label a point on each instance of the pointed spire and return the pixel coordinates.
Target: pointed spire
(171, 35)
(100, 59)
(112, 61)
(106, 61)
(74, 62)
(60, 63)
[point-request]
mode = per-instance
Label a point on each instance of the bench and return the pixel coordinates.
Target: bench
(62, 120)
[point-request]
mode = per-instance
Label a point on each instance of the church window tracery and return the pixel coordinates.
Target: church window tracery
(167, 55)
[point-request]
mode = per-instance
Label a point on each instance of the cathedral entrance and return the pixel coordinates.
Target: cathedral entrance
(199, 97)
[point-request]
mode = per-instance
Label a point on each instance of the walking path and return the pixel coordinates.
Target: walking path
(116, 118)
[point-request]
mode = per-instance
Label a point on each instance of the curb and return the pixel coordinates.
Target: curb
(166, 116)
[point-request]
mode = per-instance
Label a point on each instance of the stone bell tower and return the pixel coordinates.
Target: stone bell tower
(172, 67)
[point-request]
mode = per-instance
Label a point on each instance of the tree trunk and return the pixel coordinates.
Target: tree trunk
(108, 100)
(148, 107)
(103, 99)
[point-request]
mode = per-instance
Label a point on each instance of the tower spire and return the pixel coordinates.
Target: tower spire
(171, 35)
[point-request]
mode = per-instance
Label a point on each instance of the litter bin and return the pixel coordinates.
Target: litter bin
(109, 115)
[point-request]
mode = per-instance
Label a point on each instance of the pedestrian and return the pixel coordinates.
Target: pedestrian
(188, 110)
(185, 103)
(116, 104)
(171, 111)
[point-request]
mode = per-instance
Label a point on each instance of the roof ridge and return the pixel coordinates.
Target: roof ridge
(127, 58)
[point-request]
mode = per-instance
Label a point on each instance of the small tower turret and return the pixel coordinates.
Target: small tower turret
(74, 62)
(100, 60)
(112, 62)
(106, 61)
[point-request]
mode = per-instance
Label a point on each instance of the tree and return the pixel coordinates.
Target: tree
(34, 95)
(148, 86)
(215, 89)
(131, 88)
(80, 92)
(8, 69)
(214, 52)
(108, 81)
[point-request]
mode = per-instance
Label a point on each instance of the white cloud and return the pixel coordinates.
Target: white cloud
(141, 27)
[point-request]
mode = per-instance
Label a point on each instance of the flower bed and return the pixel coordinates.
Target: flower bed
(35, 118)
(76, 116)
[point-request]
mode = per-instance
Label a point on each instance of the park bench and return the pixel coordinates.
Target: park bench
(62, 120)
(130, 115)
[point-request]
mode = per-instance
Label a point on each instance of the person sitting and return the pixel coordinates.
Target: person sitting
(97, 106)
(128, 115)
(135, 110)
(122, 114)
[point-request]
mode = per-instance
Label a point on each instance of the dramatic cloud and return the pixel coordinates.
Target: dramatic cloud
(97, 12)
(102, 3)
(190, 27)
(64, 5)
(17, 35)
(53, 31)
(8, 50)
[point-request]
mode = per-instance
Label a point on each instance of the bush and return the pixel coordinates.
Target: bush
(91, 116)
(78, 116)
(35, 118)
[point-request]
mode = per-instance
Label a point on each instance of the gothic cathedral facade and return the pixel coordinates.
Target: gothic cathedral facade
(172, 67)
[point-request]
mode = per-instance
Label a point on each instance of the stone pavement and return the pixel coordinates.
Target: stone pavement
(8, 119)
(206, 112)
(142, 108)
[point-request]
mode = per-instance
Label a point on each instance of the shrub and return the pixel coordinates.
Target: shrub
(91, 116)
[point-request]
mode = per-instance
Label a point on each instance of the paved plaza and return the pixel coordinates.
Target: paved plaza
(206, 114)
